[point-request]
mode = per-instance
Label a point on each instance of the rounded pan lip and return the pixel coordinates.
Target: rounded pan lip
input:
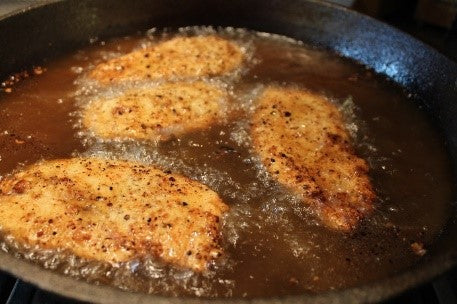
(82, 290)
(383, 289)
(28, 8)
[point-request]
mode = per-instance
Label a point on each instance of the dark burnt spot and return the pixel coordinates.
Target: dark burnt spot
(126, 217)
(20, 186)
(317, 194)
(171, 179)
(119, 110)
(334, 138)
(360, 170)
(185, 203)
(109, 204)
(287, 114)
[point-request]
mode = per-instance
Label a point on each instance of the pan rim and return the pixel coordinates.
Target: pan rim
(366, 293)
(82, 290)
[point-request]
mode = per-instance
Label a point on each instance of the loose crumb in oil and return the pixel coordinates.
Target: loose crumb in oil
(418, 248)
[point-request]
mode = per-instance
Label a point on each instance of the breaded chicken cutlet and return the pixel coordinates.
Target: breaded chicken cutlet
(302, 141)
(178, 57)
(113, 211)
(155, 113)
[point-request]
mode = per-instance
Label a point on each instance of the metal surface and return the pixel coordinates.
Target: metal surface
(48, 30)
(15, 291)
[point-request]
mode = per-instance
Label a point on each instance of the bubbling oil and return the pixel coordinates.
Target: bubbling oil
(273, 243)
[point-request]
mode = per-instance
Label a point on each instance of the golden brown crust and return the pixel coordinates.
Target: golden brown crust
(156, 113)
(113, 211)
(302, 141)
(178, 57)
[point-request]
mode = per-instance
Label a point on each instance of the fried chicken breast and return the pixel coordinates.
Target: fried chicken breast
(178, 57)
(113, 211)
(302, 141)
(155, 113)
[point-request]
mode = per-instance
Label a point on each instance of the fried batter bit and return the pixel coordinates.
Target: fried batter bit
(113, 211)
(156, 113)
(302, 141)
(178, 57)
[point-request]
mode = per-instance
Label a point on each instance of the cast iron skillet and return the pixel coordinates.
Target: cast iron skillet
(49, 29)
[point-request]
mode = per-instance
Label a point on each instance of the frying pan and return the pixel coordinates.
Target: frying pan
(55, 27)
